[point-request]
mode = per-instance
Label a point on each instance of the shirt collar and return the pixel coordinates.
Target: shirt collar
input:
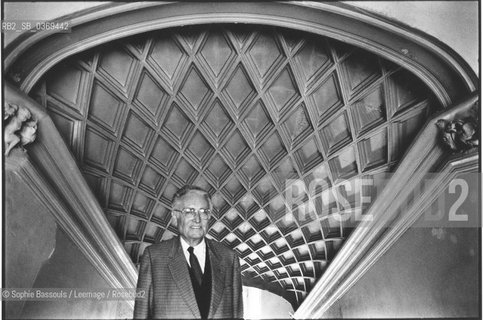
(199, 251)
(185, 244)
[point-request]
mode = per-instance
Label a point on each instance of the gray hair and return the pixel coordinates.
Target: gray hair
(188, 188)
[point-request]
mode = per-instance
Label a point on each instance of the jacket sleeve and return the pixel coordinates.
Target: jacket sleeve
(237, 289)
(143, 303)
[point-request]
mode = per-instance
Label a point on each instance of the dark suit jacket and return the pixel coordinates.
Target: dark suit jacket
(164, 276)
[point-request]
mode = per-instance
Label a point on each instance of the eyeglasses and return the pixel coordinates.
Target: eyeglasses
(191, 213)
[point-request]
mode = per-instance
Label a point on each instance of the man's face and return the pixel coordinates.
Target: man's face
(192, 229)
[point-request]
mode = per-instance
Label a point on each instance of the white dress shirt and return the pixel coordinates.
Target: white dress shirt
(199, 251)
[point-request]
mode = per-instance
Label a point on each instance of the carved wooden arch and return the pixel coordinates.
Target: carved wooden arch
(448, 76)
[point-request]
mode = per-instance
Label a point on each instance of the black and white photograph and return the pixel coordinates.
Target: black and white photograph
(241, 160)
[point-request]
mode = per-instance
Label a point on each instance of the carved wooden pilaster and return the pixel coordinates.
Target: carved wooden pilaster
(52, 173)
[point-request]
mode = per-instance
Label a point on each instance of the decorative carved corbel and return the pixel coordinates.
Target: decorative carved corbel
(460, 135)
(20, 128)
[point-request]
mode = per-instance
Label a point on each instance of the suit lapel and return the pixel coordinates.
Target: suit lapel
(180, 273)
(217, 280)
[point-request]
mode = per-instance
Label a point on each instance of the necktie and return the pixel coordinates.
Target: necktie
(195, 266)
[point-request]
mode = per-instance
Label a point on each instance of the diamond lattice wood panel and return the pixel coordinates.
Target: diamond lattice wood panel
(278, 126)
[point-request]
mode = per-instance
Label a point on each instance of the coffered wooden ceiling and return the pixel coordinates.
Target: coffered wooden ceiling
(254, 115)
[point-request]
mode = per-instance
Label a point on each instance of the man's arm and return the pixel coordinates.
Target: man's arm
(143, 304)
(237, 289)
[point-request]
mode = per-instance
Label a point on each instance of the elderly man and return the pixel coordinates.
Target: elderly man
(189, 276)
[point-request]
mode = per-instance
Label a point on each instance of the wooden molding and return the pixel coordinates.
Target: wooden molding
(23, 167)
(372, 239)
(52, 173)
(450, 78)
